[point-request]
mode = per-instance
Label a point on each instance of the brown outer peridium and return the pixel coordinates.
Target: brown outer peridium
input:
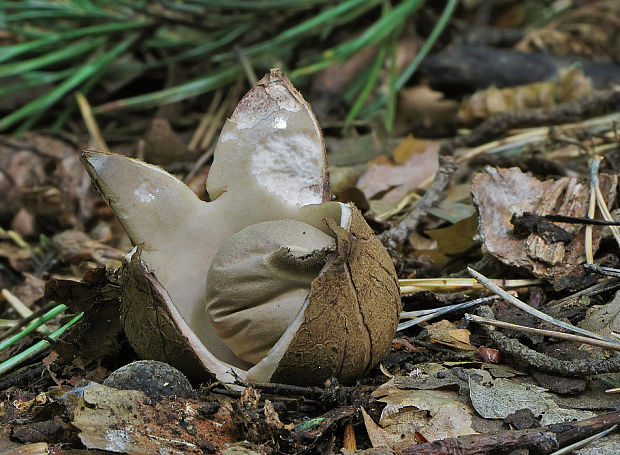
(352, 314)
(147, 311)
(348, 323)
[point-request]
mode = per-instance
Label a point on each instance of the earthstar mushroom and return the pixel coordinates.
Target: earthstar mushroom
(270, 281)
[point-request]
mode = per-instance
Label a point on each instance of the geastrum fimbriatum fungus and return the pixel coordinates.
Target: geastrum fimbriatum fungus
(267, 282)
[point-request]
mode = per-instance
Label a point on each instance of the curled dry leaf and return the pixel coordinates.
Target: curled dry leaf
(269, 281)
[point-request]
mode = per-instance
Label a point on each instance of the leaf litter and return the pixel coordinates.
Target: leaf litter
(527, 152)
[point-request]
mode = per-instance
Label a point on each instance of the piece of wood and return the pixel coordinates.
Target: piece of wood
(475, 67)
(537, 440)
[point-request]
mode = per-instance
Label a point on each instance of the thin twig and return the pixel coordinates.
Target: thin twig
(562, 113)
(534, 312)
(604, 286)
(435, 193)
(607, 271)
(549, 333)
(543, 362)
(594, 166)
(584, 442)
(580, 220)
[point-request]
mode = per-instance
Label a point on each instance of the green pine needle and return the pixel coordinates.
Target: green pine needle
(78, 45)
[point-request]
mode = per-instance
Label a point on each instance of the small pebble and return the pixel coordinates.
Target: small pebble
(155, 379)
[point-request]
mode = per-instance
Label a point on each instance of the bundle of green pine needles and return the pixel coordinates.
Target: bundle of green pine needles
(106, 49)
(14, 332)
(13, 337)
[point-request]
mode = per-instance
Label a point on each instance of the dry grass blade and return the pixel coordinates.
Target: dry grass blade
(412, 285)
(594, 166)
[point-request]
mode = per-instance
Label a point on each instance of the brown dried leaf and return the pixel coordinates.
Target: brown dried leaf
(95, 339)
(78, 249)
(378, 436)
(123, 421)
(163, 146)
(446, 333)
(30, 290)
(433, 414)
(415, 163)
(43, 176)
(499, 193)
(423, 107)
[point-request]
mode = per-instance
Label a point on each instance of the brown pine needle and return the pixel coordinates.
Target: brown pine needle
(206, 120)
(91, 123)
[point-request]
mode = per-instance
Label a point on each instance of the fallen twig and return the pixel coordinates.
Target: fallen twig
(543, 362)
(584, 442)
(542, 440)
(533, 311)
(562, 113)
(436, 312)
(435, 193)
(549, 333)
(607, 271)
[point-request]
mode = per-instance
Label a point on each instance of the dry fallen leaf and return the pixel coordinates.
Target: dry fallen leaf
(434, 414)
(567, 86)
(446, 333)
(499, 193)
(163, 146)
(415, 163)
(378, 436)
(504, 397)
(421, 106)
(124, 421)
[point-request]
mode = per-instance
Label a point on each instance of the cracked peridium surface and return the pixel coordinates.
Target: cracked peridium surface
(145, 312)
(348, 324)
(352, 314)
